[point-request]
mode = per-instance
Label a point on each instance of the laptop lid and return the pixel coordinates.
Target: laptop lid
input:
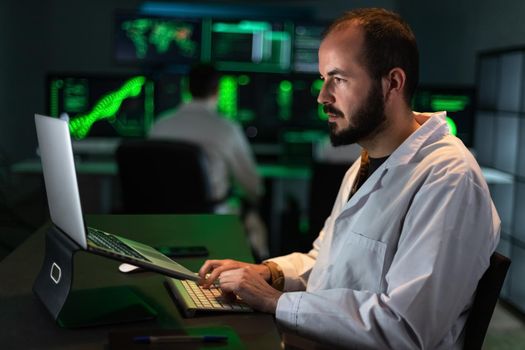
(60, 178)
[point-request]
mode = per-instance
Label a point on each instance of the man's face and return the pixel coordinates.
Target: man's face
(353, 101)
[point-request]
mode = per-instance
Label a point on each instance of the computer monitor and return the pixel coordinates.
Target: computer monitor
(170, 91)
(307, 39)
(250, 45)
(268, 105)
(102, 105)
(256, 102)
(459, 102)
(155, 40)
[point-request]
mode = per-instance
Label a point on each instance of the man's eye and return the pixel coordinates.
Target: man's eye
(338, 80)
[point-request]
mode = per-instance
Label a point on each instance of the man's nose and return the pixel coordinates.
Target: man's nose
(325, 97)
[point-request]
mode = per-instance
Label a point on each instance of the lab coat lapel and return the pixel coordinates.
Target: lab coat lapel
(401, 156)
(358, 200)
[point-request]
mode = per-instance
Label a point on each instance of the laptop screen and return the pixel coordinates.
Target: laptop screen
(60, 178)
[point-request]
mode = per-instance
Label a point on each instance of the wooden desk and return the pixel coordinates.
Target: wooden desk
(26, 324)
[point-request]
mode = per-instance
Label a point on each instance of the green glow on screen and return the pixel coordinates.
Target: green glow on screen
(55, 87)
(227, 99)
(286, 172)
(306, 136)
(284, 99)
(241, 27)
(285, 86)
(76, 95)
(280, 36)
(243, 80)
(304, 225)
(185, 90)
(449, 103)
(452, 126)
(106, 107)
(315, 89)
(149, 105)
(160, 34)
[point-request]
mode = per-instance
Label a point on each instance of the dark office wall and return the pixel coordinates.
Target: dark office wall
(331, 9)
(3, 63)
(451, 33)
(499, 24)
(42, 36)
(23, 58)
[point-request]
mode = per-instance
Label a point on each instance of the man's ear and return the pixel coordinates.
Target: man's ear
(394, 83)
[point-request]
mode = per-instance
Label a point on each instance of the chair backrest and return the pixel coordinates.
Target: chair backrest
(487, 294)
(161, 176)
(324, 185)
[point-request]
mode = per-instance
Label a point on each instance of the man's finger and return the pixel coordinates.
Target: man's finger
(207, 267)
(213, 276)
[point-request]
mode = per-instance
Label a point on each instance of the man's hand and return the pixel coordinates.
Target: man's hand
(250, 286)
(216, 267)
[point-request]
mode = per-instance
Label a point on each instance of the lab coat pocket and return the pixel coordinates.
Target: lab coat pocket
(363, 262)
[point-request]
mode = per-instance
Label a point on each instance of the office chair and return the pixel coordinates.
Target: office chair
(487, 294)
(325, 181)
(163, 176)
(324, 185)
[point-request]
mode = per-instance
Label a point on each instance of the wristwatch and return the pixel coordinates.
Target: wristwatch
(276, 275)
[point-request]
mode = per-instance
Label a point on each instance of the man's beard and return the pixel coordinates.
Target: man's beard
(367, 120)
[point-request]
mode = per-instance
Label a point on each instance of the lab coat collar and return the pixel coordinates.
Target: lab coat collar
(433, 127)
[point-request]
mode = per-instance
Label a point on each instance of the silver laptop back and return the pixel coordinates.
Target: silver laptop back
(60, 178)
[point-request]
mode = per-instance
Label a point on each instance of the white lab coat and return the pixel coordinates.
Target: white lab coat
(396, 266)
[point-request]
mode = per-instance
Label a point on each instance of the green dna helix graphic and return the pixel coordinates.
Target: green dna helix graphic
(106, 107)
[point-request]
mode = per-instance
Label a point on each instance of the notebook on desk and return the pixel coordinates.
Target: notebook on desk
(193, 299)
(65, 209)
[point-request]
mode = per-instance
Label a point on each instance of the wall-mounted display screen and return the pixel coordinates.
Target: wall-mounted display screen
(156, 40)
(102, 105)
(248, 45)
(243, 44)
(307, 38)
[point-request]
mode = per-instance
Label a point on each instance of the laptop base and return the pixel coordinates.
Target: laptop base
(82, 308)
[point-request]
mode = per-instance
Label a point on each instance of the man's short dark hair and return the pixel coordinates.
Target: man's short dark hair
(389, 43)
(203, 80)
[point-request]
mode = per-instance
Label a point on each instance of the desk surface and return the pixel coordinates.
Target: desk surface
(25, 324)
(110, 168)
(280, 171)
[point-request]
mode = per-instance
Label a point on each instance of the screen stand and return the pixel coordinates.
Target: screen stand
(83, 308)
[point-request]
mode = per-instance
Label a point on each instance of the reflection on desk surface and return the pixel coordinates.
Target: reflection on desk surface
(108, 167)
(26, 324)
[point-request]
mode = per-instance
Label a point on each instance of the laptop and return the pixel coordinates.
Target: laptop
(63, 198)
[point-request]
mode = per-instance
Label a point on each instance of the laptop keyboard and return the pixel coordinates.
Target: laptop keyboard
(211, 299)
(112, 243)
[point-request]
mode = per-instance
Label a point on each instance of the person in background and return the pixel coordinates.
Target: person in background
(413, 227)
(227, 149)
